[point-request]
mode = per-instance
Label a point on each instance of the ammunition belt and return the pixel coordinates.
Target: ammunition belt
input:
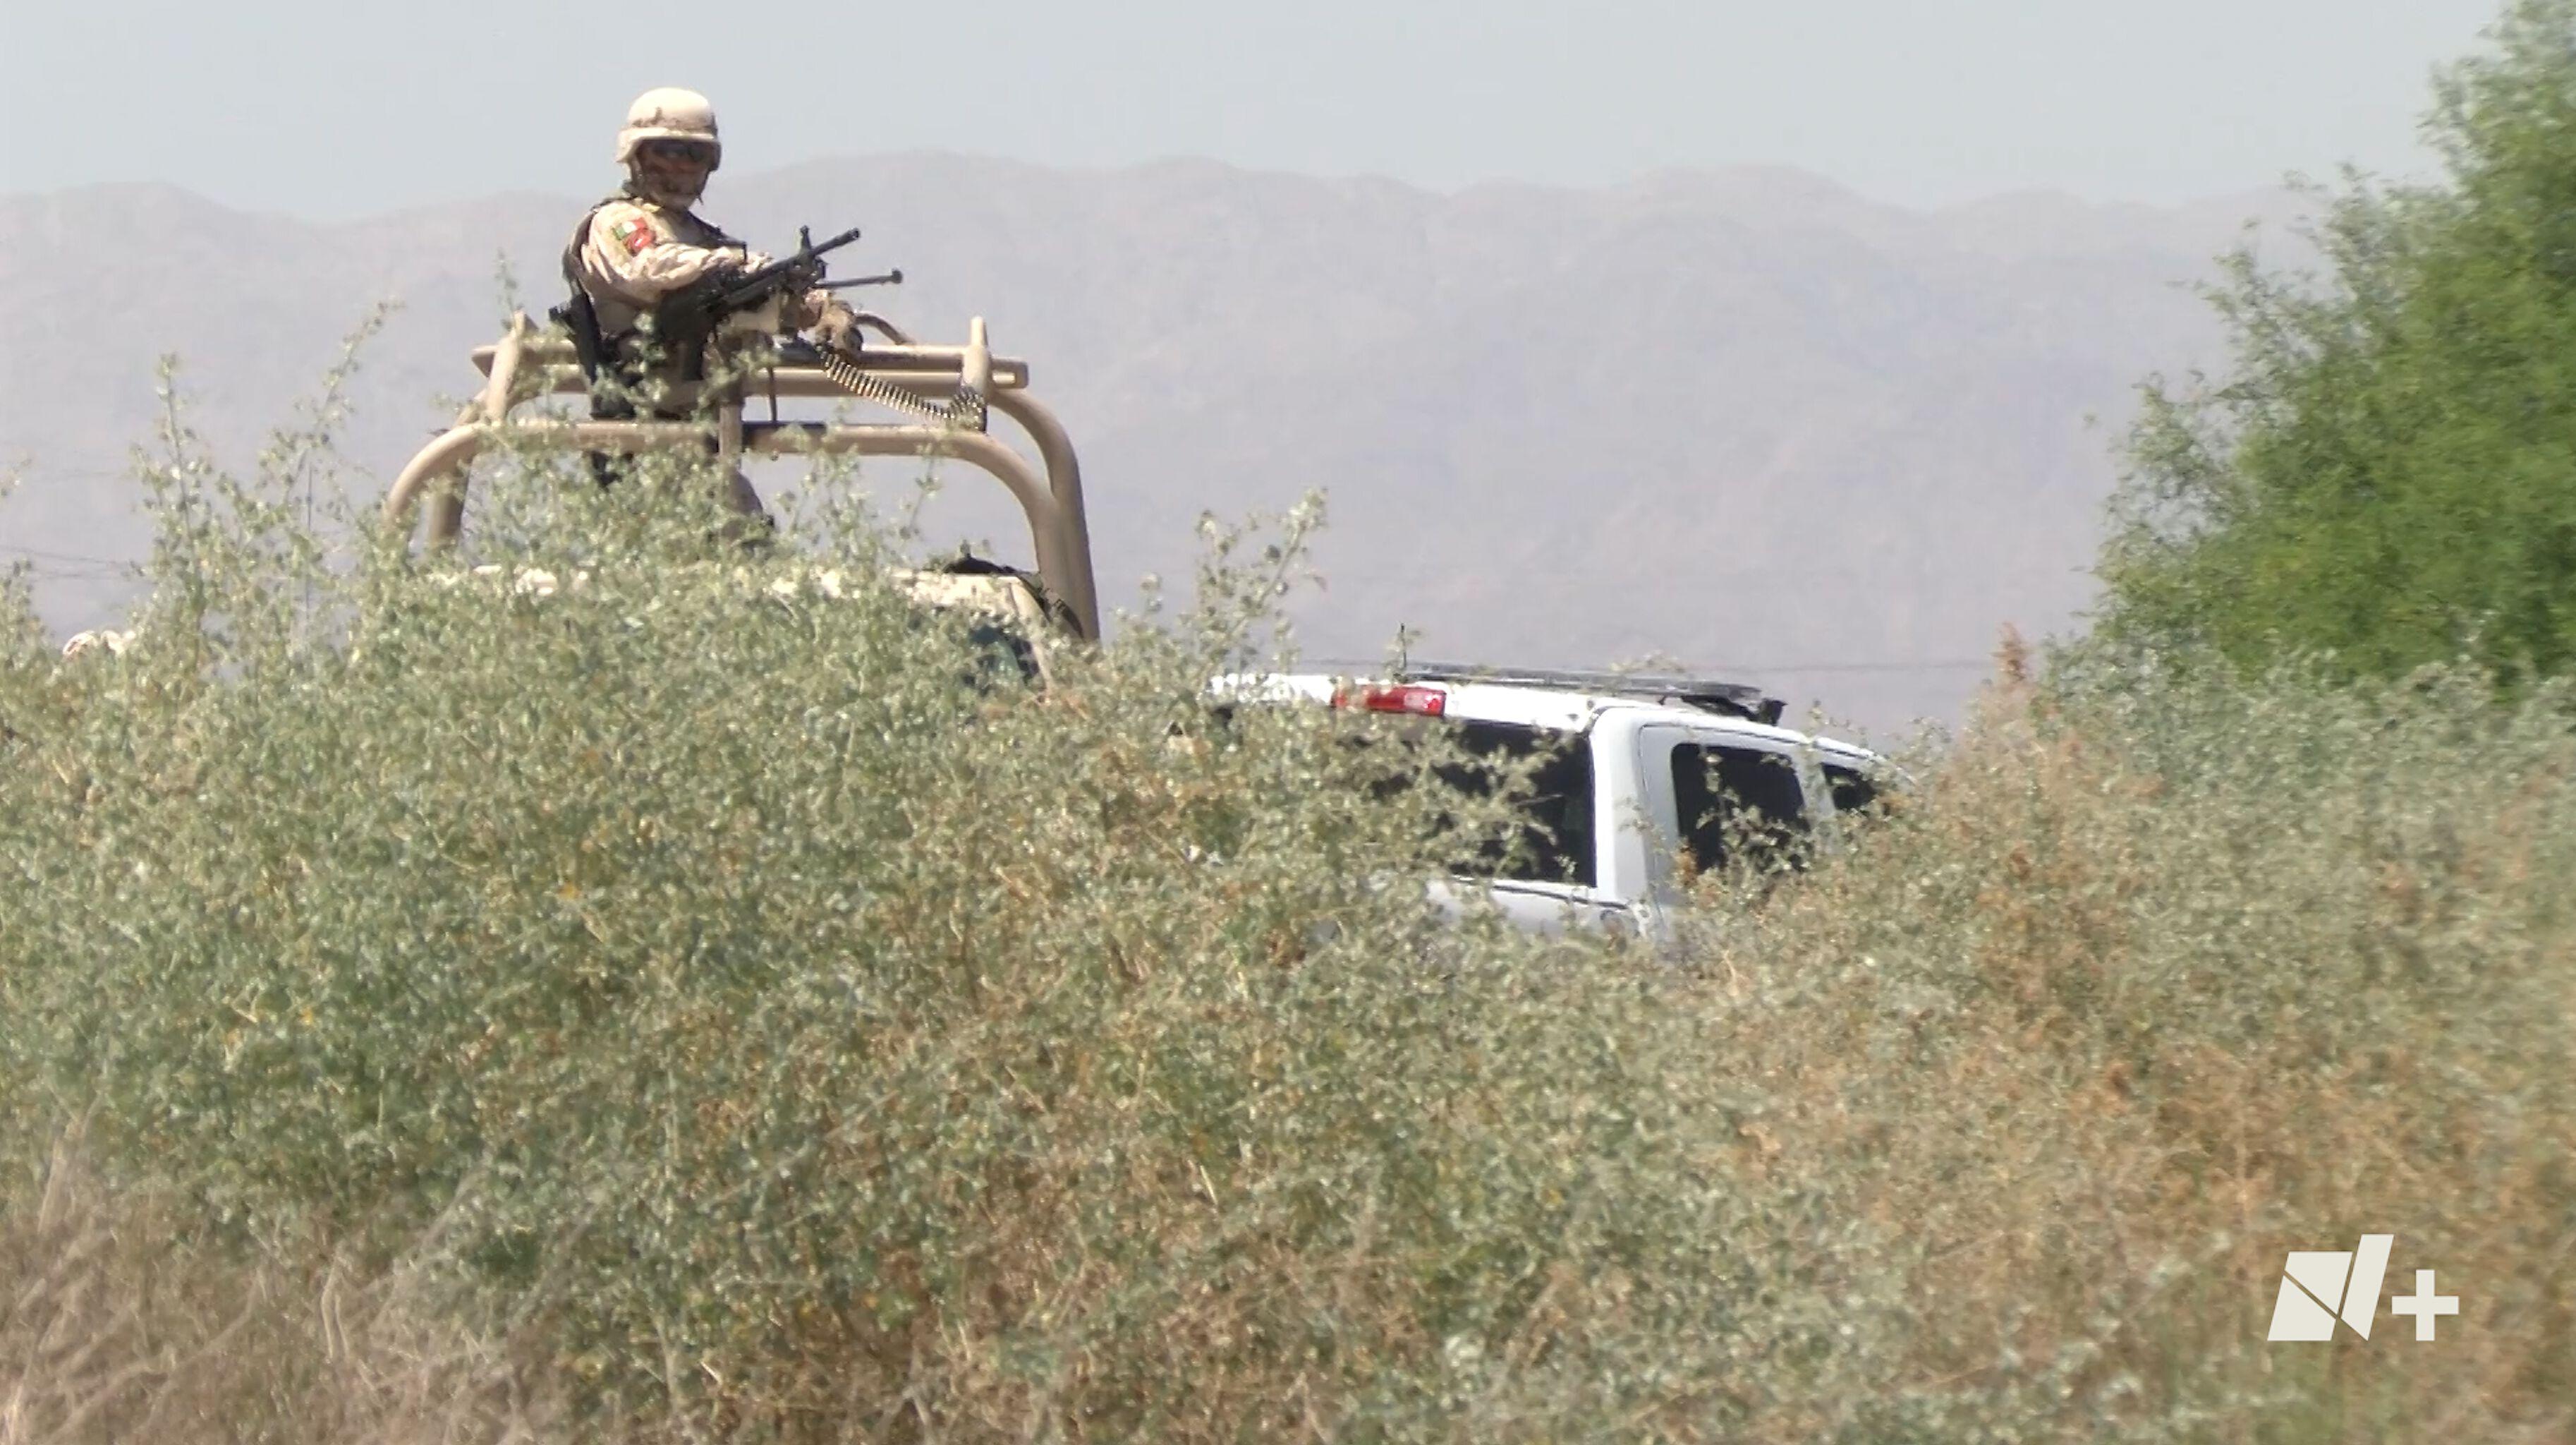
(963, 412)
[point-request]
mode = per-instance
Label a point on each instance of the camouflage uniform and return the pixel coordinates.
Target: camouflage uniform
(638, 247)
(630, 253)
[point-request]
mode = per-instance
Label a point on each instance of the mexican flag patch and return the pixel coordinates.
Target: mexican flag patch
(634, 235)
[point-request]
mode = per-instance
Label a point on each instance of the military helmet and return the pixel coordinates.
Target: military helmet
(669, 113)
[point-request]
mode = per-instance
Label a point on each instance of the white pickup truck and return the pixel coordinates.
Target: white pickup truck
(1639, 779)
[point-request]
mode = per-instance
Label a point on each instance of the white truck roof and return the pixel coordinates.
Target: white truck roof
(1554, 701)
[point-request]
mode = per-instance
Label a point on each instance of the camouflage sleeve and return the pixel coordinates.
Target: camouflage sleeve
(638, 257)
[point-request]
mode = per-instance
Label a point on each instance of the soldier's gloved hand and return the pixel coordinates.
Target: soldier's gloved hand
(839, 327)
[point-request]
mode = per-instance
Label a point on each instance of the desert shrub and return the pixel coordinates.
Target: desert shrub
(688, 994)
(2160, 976)
(751, 998)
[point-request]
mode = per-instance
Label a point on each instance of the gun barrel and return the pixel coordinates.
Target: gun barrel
(756, 287)
(758, 282)
(836, 243)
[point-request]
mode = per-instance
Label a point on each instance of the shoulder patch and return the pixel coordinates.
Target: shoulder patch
(635, 234)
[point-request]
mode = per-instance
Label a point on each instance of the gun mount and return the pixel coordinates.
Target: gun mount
(944, 389)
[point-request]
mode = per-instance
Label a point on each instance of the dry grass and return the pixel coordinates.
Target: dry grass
(117, 1327)
(2140, 994)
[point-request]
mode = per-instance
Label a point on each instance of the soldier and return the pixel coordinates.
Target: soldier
(644, 243)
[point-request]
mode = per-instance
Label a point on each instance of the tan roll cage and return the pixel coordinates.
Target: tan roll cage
(530, 362)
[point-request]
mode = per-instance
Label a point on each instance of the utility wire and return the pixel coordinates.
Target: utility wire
(1941, 664)
(92, 567)
(40, 555)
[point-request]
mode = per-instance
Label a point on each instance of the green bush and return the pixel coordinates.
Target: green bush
(795, 1027)
(715, 1006)
(2382, 476)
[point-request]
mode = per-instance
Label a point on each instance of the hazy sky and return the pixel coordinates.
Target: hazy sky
(344, 107)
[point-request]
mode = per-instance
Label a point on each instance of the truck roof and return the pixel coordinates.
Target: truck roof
(1707, 694)
(1554, 701)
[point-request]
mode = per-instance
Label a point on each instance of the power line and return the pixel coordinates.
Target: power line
(41, 555)
(1940, 664)
(22, 480)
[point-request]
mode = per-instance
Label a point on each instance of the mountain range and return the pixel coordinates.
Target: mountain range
(1746, 421)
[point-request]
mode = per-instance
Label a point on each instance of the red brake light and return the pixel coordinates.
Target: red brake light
(1382, 697)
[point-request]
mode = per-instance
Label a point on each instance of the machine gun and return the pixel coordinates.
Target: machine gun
(690, 315)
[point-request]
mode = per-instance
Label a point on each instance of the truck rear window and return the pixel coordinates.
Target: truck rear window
(1552, 842)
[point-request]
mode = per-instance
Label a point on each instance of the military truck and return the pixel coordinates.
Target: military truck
(943, 397)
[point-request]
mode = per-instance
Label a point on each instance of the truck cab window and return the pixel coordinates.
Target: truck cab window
(1735, 803)
(1853, 791)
